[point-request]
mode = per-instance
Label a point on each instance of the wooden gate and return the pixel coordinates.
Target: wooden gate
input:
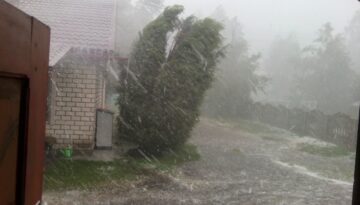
(24, 54)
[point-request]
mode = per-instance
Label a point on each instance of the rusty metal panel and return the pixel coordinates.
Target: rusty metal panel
(104, 122)
(24, 55)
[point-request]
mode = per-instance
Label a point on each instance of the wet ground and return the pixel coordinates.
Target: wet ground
(237, 167)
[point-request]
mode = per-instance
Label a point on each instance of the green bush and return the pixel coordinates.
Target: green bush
(161, 92)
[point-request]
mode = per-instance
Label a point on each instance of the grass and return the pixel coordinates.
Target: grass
(237, 150)
(250, 126)
(81, 174)
(272, 138)
(73, 174)
(266, 132)
(325, 151)
(341, 173)
(170, 159)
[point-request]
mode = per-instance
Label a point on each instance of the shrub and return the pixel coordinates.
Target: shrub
(161, 92)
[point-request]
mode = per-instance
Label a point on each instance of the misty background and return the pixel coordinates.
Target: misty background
(299, 53)
(263, 20)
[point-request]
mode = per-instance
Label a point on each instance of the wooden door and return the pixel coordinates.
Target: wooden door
(24, 53)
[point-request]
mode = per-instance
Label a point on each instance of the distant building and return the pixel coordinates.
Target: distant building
(83, 65)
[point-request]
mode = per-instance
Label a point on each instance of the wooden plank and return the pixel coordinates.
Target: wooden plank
(37, 110)
(15, 42)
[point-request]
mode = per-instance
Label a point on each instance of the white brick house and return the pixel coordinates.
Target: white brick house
(82, 63)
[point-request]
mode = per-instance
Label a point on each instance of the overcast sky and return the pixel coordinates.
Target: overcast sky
(265, 19)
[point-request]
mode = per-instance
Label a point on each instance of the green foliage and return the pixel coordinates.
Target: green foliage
(352, 35)
(82, 174)
(282, 64)
(326, 75)
(161, 92)
(252, 127)
(237, 81)
(326, 151)
(170, 159)
(87, 175)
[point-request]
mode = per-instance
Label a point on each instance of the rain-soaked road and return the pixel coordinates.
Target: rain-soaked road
(236, 167)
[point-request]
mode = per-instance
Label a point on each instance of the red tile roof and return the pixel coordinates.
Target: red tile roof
(74, 23)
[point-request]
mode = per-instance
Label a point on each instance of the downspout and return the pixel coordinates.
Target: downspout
(103, 93)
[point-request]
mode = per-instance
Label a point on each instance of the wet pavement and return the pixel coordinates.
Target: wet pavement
(236, 167)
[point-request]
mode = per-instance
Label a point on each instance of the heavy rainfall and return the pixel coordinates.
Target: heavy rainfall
(201, 102)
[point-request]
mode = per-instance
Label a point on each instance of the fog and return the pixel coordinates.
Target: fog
(262, 20)
(279, 40)
(202, 102)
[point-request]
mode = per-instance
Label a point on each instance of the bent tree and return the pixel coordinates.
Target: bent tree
(170, 68)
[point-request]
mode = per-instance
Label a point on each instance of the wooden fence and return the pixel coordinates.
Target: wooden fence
(339, 128)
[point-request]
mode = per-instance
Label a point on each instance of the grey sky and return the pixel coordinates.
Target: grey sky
(265, 19)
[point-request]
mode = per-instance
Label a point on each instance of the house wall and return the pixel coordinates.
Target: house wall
(77, 88)
(73, 99)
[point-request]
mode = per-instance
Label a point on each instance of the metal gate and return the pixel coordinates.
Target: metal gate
(104, 127)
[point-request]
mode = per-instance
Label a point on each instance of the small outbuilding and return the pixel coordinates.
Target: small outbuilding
(82, 69)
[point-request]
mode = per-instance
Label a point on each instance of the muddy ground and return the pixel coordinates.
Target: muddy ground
(237, 167)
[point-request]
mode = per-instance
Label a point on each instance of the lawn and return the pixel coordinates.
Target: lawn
(64, 174)
(324, 151)
(249, 126)
(252, 127)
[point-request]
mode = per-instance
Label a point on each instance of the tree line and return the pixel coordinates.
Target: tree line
(182, 67)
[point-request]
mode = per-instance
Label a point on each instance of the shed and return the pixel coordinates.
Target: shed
(82, 65)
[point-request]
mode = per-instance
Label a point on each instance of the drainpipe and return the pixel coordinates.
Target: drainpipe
(104, 94)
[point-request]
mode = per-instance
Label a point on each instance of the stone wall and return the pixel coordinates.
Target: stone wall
(339, 129)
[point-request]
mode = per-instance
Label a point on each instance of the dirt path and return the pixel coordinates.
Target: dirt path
(237, 167)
